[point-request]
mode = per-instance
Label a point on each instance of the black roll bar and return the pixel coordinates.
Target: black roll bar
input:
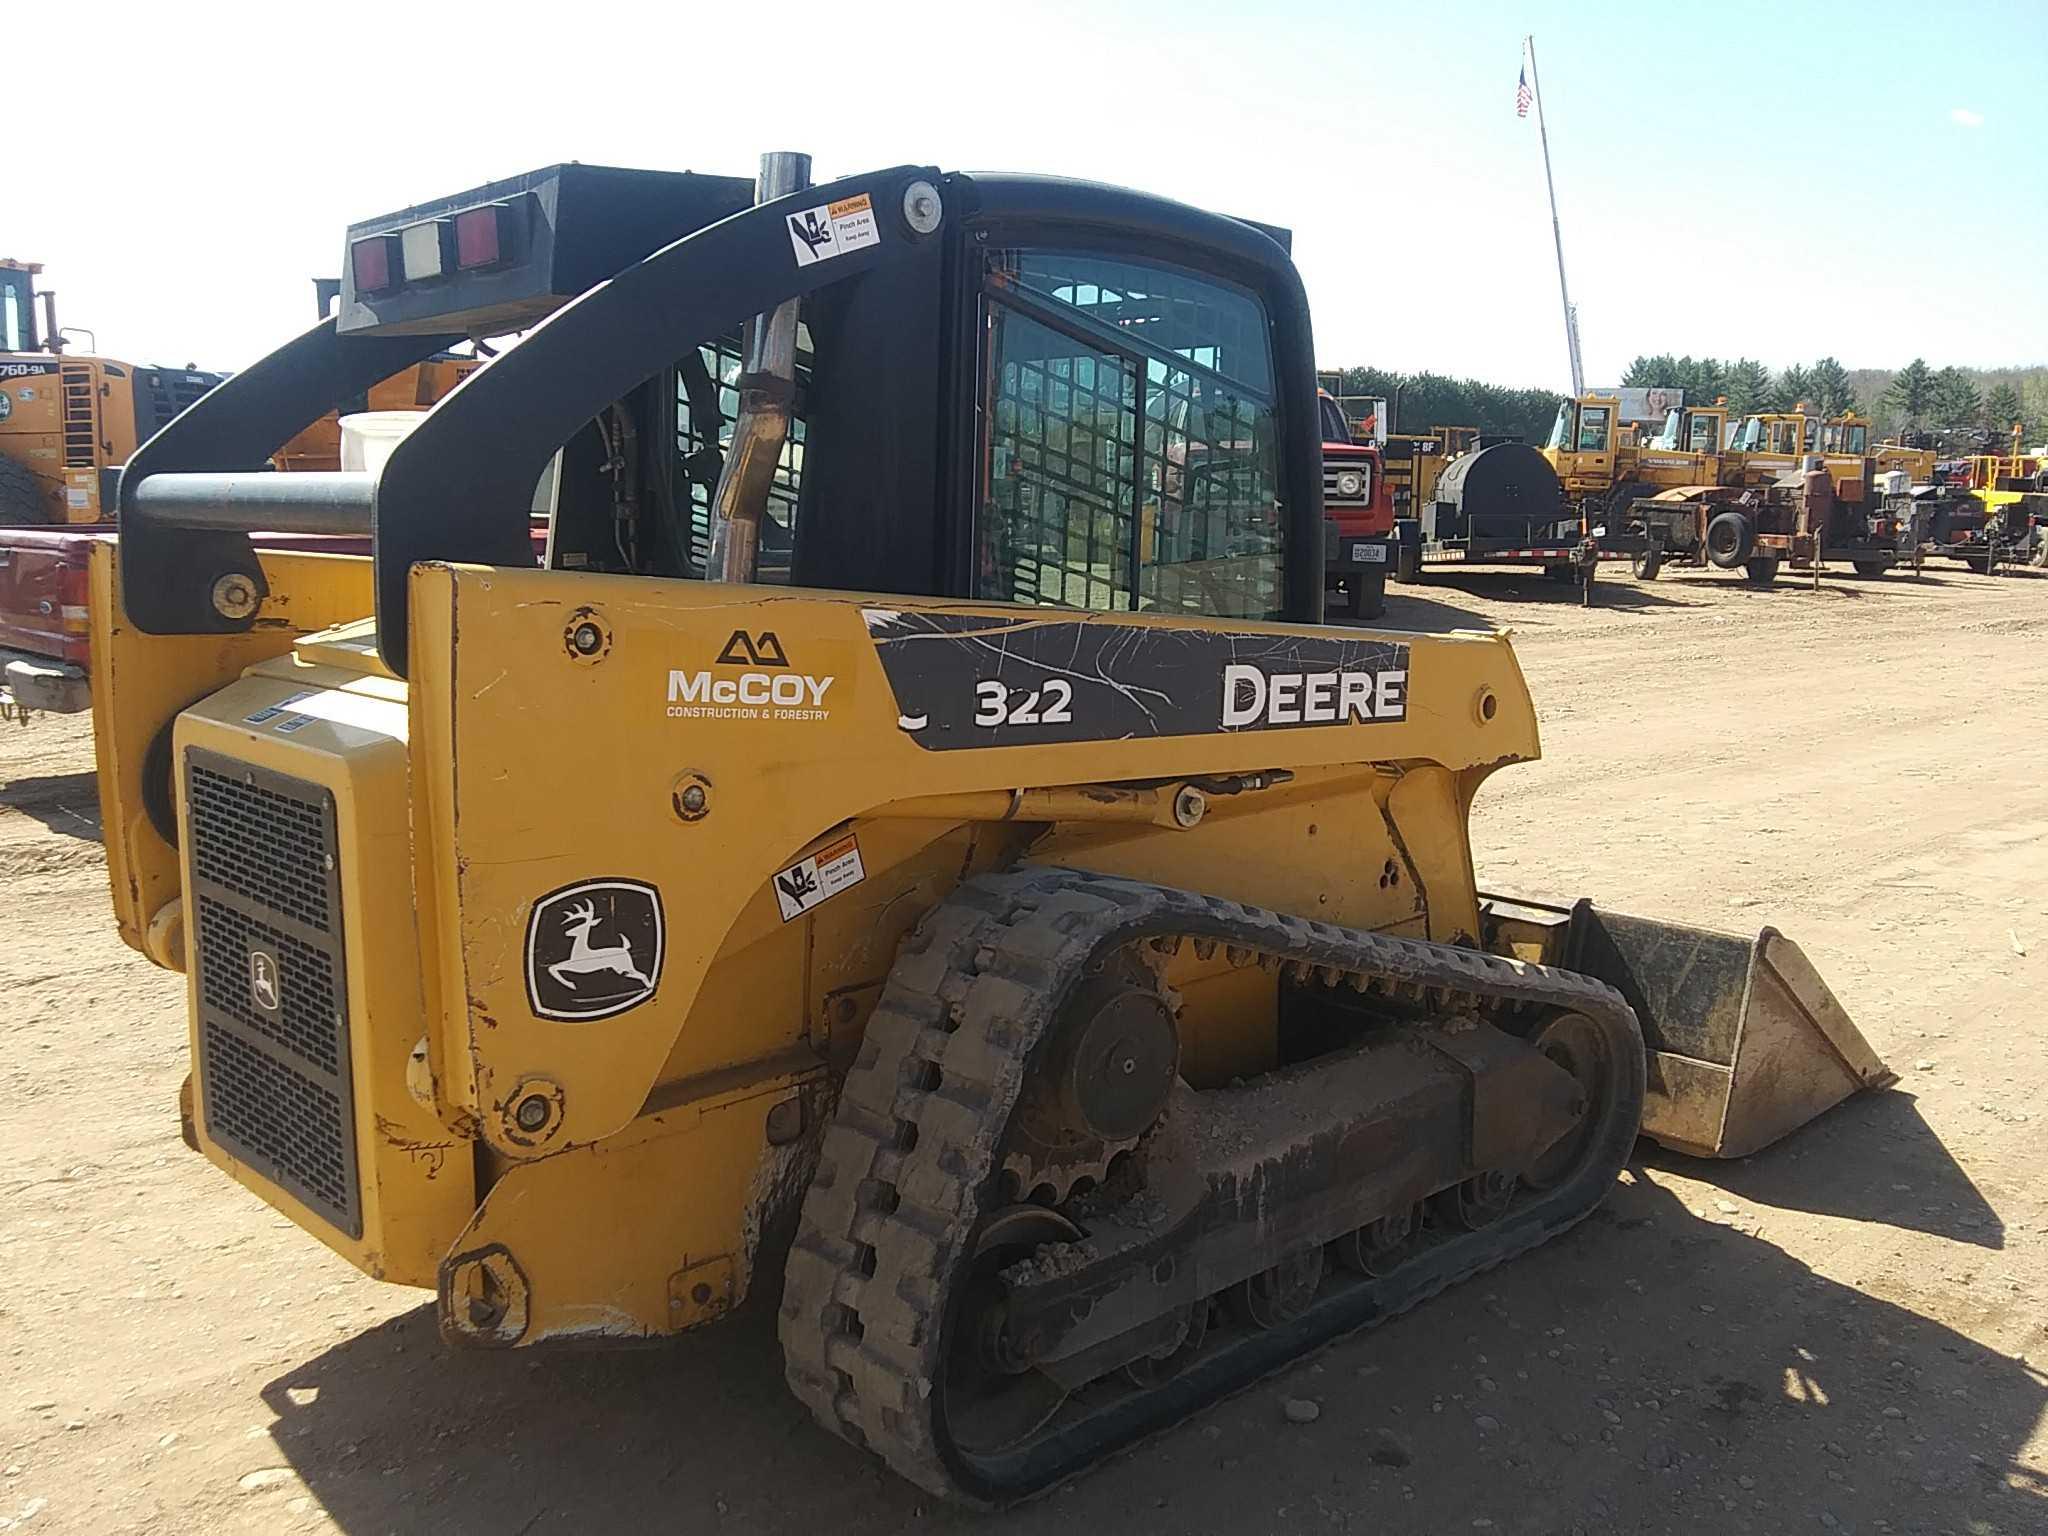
(449, 490)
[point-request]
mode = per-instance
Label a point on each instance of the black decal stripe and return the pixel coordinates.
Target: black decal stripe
(1127, 680)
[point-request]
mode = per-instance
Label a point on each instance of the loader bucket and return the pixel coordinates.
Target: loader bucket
(1746, 1042)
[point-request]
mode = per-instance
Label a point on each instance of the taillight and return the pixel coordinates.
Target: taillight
(425, 249)
(480, 237)
(372, 263)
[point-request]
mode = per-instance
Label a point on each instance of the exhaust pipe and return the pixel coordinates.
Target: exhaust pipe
(767, 387)
(53, 339)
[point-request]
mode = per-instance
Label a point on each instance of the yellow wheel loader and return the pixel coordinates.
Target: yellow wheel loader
(909, 854)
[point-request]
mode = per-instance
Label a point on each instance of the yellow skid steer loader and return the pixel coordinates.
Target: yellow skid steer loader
(910, 852)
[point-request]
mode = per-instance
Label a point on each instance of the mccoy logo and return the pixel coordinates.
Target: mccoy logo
(745, 650)
(782, 694)
(1255, 699)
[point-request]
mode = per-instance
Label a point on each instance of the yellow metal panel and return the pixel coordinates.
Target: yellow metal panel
(650, 1232)
(140, 682)
(567, 768)
(1321, 846)
(416, 1175)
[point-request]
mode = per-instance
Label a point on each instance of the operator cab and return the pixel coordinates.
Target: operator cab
(1060, 394)
(1845, 436)
(1583, 426)
(18, 307)
(1692, 429)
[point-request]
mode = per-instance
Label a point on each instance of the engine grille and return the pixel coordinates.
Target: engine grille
(266, 845)
(1332, 468)
(273, 1007)
(170, 392)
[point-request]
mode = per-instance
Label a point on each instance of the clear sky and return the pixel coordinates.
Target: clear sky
(1781, 180)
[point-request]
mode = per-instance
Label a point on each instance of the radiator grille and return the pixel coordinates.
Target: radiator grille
(273, 1007)
(307, 1021)
(266, 846)
(1332, 468)
(254, 1102)
(170, 393)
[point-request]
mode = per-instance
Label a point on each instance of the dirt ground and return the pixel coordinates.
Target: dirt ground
(1846, 1333)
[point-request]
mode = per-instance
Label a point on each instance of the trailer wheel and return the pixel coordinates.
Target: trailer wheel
(1647, 562)
(1762, 570)
(1870, 567)
(1368, 595)
(1729, 540)
(21, 494)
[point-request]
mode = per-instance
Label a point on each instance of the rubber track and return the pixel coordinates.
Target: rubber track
(915, 1139)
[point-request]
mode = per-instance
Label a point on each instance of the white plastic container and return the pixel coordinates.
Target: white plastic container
(368, 437)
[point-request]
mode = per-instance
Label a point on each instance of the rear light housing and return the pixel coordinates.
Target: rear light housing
(373, 263)
(426, 249)
(481, 237)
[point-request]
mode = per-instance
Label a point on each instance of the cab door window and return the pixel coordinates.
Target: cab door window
(1130, 444)
(1593, 429)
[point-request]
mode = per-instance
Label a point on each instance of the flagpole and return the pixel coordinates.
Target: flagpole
(1571, 327)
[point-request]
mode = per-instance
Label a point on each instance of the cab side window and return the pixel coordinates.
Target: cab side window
(1593, 429)
(1130, 444)
(707, 407)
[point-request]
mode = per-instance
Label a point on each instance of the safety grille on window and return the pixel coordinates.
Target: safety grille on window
(273, 1007)
(267, 846)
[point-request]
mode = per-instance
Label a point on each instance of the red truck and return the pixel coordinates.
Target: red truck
(1358, 515)
(42, 619)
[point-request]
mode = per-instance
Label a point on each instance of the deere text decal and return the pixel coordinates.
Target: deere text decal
(978, 680)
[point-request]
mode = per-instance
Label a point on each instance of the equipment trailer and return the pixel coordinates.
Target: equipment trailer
(914, 821)
(1799, 517)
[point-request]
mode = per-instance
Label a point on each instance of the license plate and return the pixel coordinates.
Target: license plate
(1369, 554)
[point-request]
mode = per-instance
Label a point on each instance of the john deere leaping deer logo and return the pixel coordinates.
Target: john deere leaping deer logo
(593, 949)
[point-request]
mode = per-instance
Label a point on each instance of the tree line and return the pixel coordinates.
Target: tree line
(1916, 396)
(1422, 401)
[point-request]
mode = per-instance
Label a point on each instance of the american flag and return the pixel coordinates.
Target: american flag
(1522, 93)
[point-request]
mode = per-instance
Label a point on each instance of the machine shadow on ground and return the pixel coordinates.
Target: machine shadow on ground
(1915, 1184)
(1654, 1369)
(1530, 587)
(68, 803)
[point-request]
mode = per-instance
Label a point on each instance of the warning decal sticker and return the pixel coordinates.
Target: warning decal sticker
(833, 229)
(824, 874)
(270, 712)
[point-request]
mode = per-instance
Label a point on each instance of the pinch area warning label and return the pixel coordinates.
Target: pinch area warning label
(833, 229)
(824, 874)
